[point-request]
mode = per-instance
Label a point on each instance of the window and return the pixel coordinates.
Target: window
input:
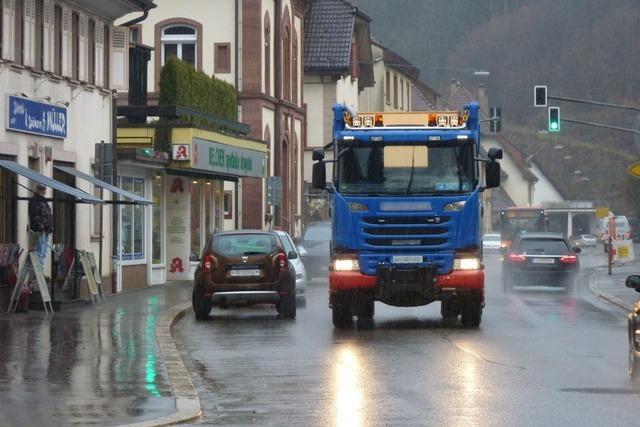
(39, 34)
(408, 97)
(387, 82)
(75, 45)
(106, 76)
(196, 244)
(91, 56)
(156, 226)
(57, 54)
(179, 41)
(228, 205)
(8, 221)
(395, 91)
(295, 67)
(267, 55)
(132, 222)
(401, 94)
(19, 39)
(208, 208)
(222, 56)
(286, 75)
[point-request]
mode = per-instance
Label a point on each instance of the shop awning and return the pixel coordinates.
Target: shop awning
(197, 173)
(95, 181)
(79, 195)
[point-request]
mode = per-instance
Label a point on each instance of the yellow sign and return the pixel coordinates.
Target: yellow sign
(602, 213)
(634, 169)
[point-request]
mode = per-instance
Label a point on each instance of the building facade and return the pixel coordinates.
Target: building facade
(257, 46)
(61, 61)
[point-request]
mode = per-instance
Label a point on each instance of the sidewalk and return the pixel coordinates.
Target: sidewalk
(612, 288)
(96, 365)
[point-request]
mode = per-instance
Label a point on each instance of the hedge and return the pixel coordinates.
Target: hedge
(181, 85)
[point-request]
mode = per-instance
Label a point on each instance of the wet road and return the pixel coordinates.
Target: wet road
(539, 358)
(89, 365)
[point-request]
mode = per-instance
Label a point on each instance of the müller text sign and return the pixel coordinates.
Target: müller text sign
(216, 157)
(40, 118)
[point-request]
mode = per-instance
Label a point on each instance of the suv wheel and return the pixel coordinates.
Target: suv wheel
(201, 307)
(287, 305)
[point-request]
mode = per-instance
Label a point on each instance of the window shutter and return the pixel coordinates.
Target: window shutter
(48, 36)
(83, 36)
(98, 67)
(8, 22)
(67, 42)
(119, 61)
(29, 33)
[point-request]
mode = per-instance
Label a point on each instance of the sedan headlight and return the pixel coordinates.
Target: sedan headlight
(466, 264)
(346, 265)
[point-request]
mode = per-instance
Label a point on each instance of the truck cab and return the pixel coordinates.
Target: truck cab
(406, 211)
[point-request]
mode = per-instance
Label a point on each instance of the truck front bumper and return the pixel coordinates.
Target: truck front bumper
(457, 279)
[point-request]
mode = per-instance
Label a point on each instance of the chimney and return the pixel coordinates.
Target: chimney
(483, 99)
(454, 86)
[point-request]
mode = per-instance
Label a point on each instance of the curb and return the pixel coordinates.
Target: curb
(187, 400)
(595, 289)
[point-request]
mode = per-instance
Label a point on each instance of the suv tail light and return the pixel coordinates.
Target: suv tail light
(282, 262)
(517, 258)
(569, 259)
(208, 263)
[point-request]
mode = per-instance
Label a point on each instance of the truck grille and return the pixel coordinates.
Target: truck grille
(406, 231)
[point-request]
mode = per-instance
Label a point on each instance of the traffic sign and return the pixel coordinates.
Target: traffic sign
(634, 169)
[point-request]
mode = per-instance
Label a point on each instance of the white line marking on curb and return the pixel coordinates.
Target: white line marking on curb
(187, 400)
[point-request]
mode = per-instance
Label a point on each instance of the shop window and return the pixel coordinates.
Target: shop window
(218, 226)
(228, 205)
(8, 207)
(179, 41)
(208, 209)
(222, 56)
(196, 230)
(132, 222)
(157, 218)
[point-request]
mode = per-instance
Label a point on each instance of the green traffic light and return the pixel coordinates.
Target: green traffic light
(554, 119)
(554, 126)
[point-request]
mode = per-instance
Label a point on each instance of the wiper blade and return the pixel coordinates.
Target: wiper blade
(413, 161)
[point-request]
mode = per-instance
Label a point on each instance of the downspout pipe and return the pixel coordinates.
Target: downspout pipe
(148, 5)
(277, 84)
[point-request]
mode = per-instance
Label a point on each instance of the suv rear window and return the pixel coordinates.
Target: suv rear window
(543, 246)
(244, 244)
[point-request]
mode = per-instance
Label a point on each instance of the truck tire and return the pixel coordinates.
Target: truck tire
(201, 308)
(471, 313)
(341, 314)
(367, 310)
(449, 311)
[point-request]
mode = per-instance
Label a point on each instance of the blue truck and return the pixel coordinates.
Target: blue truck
(406, 211)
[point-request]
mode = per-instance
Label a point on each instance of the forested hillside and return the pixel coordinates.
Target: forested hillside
(586, 49)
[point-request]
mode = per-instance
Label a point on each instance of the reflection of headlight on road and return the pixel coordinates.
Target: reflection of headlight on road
(346, 265)
(466, 264)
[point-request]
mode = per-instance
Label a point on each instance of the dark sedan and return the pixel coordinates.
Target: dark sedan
(541, 259)
(246, 267)
(316, 242)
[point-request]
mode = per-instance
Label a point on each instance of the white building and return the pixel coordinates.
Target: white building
(60, 62)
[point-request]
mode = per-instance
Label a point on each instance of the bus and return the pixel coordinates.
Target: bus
(515, 219)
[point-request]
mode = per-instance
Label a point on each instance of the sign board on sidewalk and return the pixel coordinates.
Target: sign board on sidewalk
(623, 251)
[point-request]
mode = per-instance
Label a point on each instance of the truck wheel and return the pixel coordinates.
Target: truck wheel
(341, 312)
(366, 310)
(449, 311)
(201, 308)
(471, 313)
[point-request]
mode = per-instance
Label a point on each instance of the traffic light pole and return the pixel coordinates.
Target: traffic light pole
(602, 104)
(601, 125)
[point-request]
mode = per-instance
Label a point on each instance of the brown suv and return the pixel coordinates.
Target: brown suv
(246, 267)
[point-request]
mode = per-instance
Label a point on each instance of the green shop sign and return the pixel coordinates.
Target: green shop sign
(216, 157)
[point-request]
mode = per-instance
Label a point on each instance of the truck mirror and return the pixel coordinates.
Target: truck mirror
(492, 174)
(319, 175)
(318, 154)
(495, 153)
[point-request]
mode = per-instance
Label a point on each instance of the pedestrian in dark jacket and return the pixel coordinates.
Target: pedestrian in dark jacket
(40, 221)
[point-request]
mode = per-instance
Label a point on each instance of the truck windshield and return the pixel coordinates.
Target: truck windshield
(406, 169)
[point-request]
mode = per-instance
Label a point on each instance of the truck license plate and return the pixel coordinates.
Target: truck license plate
(407, 259)
(245, 273)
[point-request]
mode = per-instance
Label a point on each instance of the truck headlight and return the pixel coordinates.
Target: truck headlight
(346, 265)
(454, 206)
(466, 264)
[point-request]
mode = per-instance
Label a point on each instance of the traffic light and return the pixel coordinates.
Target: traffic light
(554, 119)
(540, 96)
(495, 125)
